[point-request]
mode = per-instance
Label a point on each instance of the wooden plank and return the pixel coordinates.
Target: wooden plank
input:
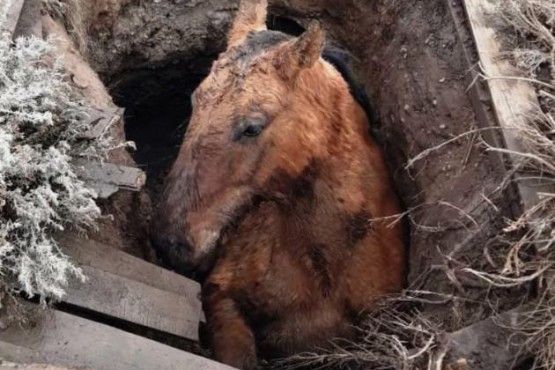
(135, 302)
(61, 339)
(12, 17)
(108, 178)
(17, 352)
(480, 98)
(89, 253)
(102, 257)
(514, 100)
(13, 366)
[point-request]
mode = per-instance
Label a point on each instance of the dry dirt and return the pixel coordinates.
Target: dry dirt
(151, 55)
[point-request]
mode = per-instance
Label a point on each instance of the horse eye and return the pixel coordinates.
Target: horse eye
(253, 130)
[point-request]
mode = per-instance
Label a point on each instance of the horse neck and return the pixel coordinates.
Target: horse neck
(315, 232)
(338, 189)
(349, 154)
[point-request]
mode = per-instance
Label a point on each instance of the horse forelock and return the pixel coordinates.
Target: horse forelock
(257, 43)
(245, 55)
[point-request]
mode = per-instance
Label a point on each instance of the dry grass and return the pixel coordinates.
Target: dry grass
(533, 22)
(395, 336)
(530, 240)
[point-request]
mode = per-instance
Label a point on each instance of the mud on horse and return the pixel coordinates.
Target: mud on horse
(278, 193)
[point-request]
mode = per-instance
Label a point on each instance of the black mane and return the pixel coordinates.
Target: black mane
(340, 60)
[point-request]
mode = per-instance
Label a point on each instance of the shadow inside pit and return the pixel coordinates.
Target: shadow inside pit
(157, 105)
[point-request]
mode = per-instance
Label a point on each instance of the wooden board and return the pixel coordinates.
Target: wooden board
(13, 366)
(135, 302)
(513, 100)
(480, 98)
(134, 290)
(12, 17)
(60, 339)
(105, 258)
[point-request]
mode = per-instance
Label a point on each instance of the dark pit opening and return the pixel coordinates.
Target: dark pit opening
(157, 110)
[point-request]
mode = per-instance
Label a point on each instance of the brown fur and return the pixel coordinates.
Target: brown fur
(290, 218)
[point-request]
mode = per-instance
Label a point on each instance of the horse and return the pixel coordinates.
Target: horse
(280, 199)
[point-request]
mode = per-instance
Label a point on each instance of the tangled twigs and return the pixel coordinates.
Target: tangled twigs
(391, 338)
(535, 18)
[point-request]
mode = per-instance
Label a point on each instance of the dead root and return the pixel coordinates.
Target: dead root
(533, 20)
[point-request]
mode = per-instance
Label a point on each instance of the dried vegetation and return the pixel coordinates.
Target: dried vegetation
(42, 121)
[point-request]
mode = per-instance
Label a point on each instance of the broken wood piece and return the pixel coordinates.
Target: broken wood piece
(12, 17)
(61, 339)
(108, 178)
(100, 121)
(30, 20)
(100, 257)
(490, 344)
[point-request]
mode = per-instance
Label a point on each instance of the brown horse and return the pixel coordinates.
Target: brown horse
(279, 193)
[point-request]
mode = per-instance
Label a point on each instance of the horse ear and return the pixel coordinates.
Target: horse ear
(302, 53)
(251, 17)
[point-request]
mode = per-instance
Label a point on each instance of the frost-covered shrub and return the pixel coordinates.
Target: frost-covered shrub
(41, 120)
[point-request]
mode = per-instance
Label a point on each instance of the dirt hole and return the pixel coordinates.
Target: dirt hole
(157, 109)
(412, 64)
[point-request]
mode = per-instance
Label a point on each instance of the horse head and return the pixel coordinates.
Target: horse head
(259, 120)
